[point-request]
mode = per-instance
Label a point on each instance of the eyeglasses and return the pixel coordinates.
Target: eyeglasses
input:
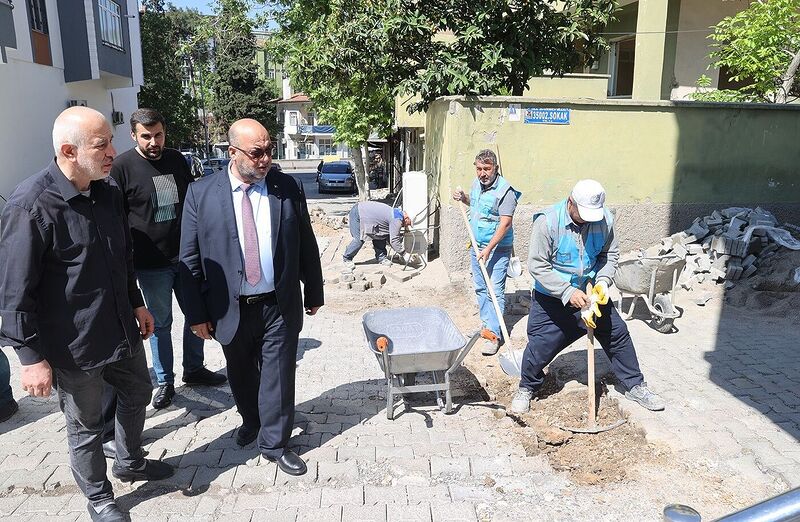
(256, 154)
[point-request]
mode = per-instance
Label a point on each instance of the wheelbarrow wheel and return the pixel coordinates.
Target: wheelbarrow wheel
(663, 305)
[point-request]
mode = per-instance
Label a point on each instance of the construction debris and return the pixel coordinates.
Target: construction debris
(726, 246)
(318, 215)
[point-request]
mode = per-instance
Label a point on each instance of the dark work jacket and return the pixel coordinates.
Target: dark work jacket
(67, 285)
(211, 261)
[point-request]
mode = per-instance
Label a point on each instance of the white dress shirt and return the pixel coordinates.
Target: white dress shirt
(260, 202)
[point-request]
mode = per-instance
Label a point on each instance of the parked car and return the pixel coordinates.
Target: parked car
(195, 165)
(212, 165)
(337, 176)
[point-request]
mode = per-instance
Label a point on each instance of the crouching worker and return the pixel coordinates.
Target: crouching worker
(381, 223)
(572, 243)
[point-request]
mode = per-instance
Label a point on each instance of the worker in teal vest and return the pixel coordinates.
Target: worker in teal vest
(492, 201)
(573, 243)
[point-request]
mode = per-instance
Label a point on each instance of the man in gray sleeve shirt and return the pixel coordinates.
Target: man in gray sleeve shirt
(573, 243)
(381, 223)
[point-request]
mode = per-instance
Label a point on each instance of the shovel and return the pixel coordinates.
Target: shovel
(592, 424)
(510, 362)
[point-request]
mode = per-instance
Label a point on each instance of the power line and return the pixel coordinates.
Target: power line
(659, 32)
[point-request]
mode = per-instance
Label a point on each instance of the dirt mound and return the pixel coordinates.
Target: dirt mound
(775, 290)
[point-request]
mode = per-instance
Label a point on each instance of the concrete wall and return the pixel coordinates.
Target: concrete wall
(569, 86)
(662, 163)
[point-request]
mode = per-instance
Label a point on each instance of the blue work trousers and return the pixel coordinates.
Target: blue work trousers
(496, 267)
(157, 286)
(553, 326)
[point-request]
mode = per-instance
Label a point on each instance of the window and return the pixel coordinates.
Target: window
(304, 150)
(38, 15)
(326, 147)
(293, 119)
(111, 24)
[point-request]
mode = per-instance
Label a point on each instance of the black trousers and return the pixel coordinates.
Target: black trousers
(80, 398)
(553, 326)
(261, 360)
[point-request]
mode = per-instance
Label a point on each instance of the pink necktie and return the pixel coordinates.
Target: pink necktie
(252, 259)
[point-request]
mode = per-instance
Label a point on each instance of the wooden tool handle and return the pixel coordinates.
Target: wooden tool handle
(382, 344)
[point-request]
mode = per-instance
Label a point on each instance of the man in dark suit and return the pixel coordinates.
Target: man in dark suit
(246, 244)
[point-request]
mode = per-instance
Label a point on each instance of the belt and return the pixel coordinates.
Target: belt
(268, 298)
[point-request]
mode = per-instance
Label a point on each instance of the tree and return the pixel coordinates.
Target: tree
(352, 57)
(162, 89)
(237, 90)
(497, 46)
(760, 47)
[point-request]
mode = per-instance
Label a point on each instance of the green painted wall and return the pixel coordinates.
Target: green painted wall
(643, 152)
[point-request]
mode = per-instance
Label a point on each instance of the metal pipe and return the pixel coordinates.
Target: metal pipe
(781, 508)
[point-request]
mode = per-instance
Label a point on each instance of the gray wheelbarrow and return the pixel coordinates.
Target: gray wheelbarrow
(407, 341)
(654, 280)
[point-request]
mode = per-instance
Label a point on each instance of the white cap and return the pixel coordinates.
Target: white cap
(590, 197)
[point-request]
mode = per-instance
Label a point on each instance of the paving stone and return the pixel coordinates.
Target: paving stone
(201, 458)
(492, 466)
(283, 515)
(352, 496)
(9, 504)
(427, 494)
(206, 477)
(257, 476)
(440, 449)
(384, 495)
(338, 471)
(39, 505)
(375, 513)
(328, 514)
(355, 453)
(454, 512)
(412, 513)
(454, 465)
(257, 501)
(300, 499)
(392, 452)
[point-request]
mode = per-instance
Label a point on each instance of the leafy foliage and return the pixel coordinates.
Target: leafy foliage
(237, 92)
(759, 46)
(352, 57)
(162, 89)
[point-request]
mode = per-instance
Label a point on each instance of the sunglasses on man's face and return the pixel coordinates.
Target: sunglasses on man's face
(255, 154)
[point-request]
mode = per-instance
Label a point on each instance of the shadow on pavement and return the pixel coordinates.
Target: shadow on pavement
(317, 422)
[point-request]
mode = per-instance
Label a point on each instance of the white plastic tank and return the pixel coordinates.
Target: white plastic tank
(415, 204)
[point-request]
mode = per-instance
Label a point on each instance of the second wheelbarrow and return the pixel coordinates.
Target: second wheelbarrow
(654, 280)
(407, 341)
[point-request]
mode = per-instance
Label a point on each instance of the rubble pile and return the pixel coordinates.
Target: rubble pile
(318, 215)
(724, 247)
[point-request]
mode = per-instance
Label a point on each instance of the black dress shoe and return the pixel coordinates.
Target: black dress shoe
(290, 463)
(110, 449)
(153, 470)
(164, 395)
(110, 513)
(8, 410)
(204, 377)
(246, 435)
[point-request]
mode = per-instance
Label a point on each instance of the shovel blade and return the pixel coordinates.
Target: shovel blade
(593, 429)
(511, 362)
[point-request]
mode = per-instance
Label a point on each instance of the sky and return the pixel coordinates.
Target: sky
(200, 5)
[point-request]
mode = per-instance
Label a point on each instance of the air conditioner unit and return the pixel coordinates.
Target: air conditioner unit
(117, 118)
(77, 103)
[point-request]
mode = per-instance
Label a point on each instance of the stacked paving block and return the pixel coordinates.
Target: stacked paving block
(715, 248)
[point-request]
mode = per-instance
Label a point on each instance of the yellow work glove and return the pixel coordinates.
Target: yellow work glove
(601, 291)
(597, 295)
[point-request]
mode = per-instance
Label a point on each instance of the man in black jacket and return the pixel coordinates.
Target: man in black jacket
(153, 180)
(70, 306)
(246, 244)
